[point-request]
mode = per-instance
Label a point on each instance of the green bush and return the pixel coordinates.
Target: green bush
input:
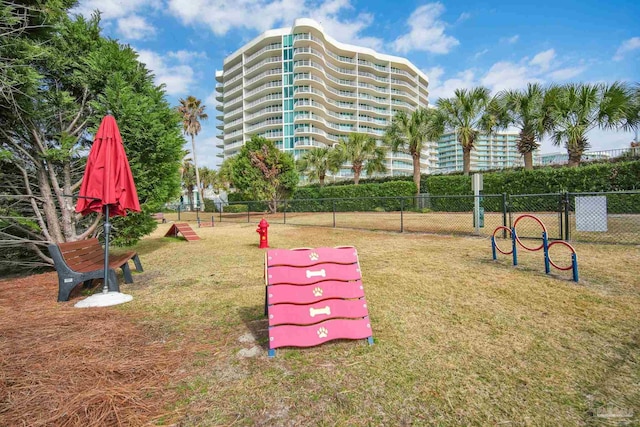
(235, 208)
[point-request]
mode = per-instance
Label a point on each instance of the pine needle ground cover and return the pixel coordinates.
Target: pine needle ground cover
(459, 339)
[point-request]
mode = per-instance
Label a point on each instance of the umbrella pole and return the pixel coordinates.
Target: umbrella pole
(107, 231)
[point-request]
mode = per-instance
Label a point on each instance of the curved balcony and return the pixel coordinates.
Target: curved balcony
(372, 89)
(380, 111)
(314, 119)
(263, 52)
(262, 89)
(403, 85)
(305, 142)
(220, 145)
(233, 114)
(271, 123)
(219, 97)
(272, 98)
(219, 87)
(403, 96)
(234, 124)
(311, 79)
(268, 62)
(266, 76)
(273, 110)
(301, 91)
(308, 53)
(373, 99)
(232, 104)
(308, 103)
(372, 78)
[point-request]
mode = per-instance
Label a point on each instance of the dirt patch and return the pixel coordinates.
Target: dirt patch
(78, 367)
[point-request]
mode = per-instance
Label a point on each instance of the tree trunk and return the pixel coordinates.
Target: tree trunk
(528, 161)
(356, 174)
(574, 158)
(195, 165)
(321, 179)
(416, 171)
(466, 160)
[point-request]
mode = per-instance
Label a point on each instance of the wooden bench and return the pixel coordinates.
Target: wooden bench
(159, 216)
(83, 261)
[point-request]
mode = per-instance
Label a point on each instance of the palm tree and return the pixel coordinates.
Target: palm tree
(192, 112)
(411, 132)
(188, 178)
(573, 110)
(469, 113)
(362, 152)
(525, 110)
(315, 163)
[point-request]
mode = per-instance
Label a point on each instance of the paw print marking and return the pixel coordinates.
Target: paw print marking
(313, 256)
(317, 291)
(322, 332)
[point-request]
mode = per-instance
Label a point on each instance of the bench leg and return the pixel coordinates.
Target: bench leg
(127, 272)
(138, 264)
(64, 289)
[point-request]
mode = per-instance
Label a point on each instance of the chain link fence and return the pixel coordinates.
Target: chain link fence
(612, 217)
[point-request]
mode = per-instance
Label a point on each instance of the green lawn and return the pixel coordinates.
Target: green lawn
(459, 339)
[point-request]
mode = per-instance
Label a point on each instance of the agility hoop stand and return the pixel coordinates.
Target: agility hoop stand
(545, 246)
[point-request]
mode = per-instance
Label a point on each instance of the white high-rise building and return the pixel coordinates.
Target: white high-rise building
(302, 89)
(496, 151)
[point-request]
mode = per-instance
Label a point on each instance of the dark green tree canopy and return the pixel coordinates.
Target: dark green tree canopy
(261, 171)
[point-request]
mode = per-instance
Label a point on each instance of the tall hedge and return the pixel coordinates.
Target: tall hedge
(589, 178)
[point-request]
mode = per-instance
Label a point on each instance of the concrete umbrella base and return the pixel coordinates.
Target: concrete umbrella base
(103, 299)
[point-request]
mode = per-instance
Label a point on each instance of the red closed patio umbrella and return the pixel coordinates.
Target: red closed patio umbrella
(107, 185)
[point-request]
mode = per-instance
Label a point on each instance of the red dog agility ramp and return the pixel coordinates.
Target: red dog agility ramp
(314, 296)
(184, 229)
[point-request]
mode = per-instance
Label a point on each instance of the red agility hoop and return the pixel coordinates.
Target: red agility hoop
(544, 229)
(561, 242)
(501, 227)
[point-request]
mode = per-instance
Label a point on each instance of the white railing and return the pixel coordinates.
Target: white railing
(277, 83)
(270, 109)
(272, 46)
(267, 122)
(262, 75)
(263, 62)
(270, 97)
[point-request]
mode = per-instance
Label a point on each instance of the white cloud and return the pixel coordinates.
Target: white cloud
(507, 75)
(126, 14)
(480, 53)
(543, 59)
(566, 73)
(463, 17)
(510, 40)
(427, 32)
(262, 15)
(184, 56)
(446, 88)
(134, 27)
(177, 77)
(627, 46)
(113, 9)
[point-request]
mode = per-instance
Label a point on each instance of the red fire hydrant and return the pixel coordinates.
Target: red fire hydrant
(264, 234)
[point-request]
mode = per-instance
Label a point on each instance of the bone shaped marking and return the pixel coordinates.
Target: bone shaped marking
(315, 311)
(319, 273)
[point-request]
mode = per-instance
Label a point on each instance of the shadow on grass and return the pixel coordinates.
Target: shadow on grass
(257, 323)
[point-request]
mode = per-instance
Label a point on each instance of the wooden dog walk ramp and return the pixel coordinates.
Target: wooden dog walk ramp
(184, 229)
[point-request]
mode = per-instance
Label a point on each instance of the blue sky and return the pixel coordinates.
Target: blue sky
(457, 44)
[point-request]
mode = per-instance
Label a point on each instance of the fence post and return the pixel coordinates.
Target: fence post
(567, 206)
(248, 211)
(179, 212)
(504, 215)
(334, 213)
(284, 212)
(402, 214)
